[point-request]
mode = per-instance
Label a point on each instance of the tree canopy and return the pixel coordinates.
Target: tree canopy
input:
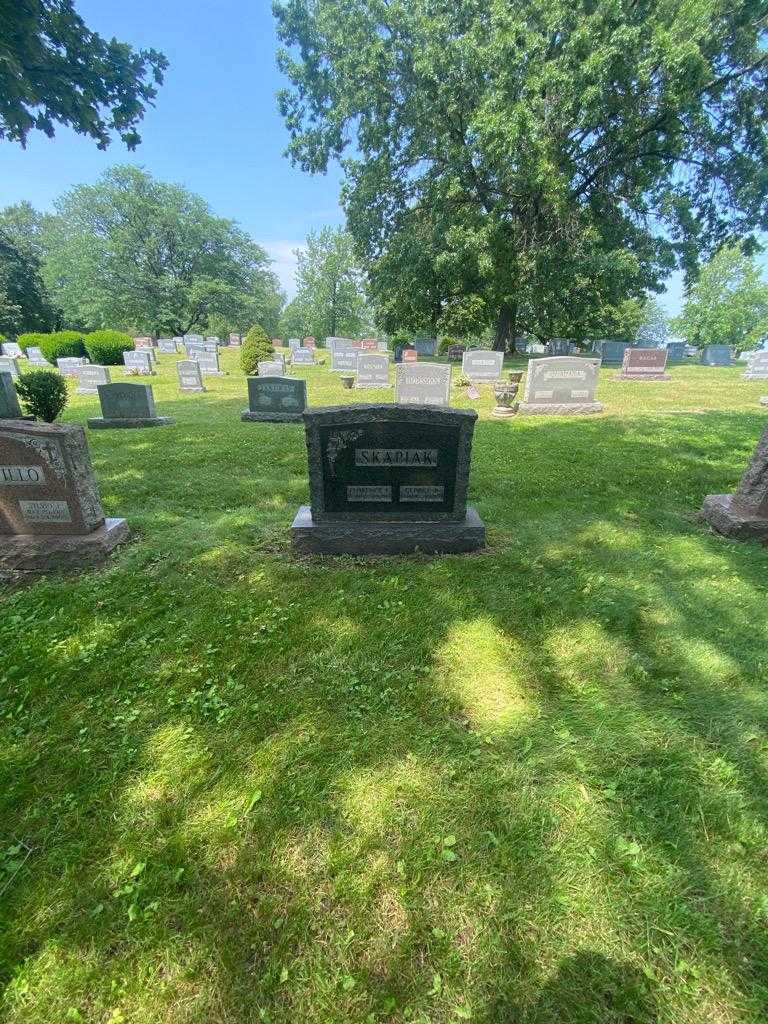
(55, 70)
(728, 303)
(553, 158)
(24, 301)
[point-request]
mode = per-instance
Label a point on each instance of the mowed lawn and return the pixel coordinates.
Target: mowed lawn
(528, 785)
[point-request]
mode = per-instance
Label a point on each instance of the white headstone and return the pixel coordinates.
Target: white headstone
(422, 384)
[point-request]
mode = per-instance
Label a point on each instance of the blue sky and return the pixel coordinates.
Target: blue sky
(215, 126)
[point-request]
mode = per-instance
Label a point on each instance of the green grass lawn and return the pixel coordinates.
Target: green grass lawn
(528, 785)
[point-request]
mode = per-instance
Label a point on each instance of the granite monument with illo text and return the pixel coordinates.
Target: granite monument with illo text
(743, 515)
(386, 480)
(50, 510)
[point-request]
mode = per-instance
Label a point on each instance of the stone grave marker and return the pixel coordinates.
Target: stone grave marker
(35, 356)
(343, 360)
(70, 365)
(757, 368)
(50, 510)
(143, 343)
(12, 349)
(190, 378)
(89, 377)
(423, 384)
(9, 400)
(716, 355)
(209, 364)
(276, 399)
(303, 357)
(138, 363)
(193, 339)
(561, 386)
(294, 343)
(372, 370)
(644, 364)
(335, 344)
(388, 479)
(127, 405)
(481, 364)
(455, 353)
(410, 355)
(675, 351)
(310, 343)
(381, 346)
(559, 347)
(9, 365)
(611, 351)
(270, 368)
(744, 514)
(425, 346)
(369, 344)
(167, 346)
(521, 346)
(235, 340)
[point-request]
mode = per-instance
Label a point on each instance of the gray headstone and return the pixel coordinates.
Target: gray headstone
(425, 346)
(36, 357)
(167, 346)
(422, 384)
(388, 479)
(381, 346)
(303, 357)
(139, 362)
(190, 378)
(9, 400)
(611, 351)
(12, 349)
(276, 399)
(757, 369)
(482, 364)
(343, 360)
(294, 343)
(521, 345)
(716, 355)
(339, 344)
(193, 339)
(644, 364)
(675, 351)
(127, 405)
(9, 365)
(561, 385)
(208, 363)
(372, 370)
(559, 347)
(270, 368)
(70, 365)
(235, 340)
(89, 377)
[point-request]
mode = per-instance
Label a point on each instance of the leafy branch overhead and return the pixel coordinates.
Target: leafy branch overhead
(55, 70)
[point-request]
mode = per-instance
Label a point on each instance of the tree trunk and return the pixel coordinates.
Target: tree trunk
(506, 328)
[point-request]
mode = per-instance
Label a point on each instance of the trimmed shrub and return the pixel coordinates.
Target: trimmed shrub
(256, 347)
(63, 345)
(446, 343)
(35, 339)
(105, 348)
(43, 394)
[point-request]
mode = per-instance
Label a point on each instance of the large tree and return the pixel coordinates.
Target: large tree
(54, 69)
(576, 150)
(26, 303)
(136, 253)
(727, 304)
(330, 294)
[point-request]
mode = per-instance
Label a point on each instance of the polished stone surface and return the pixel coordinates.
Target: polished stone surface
(644, 364)
(561, 386)
(482, 364)
(422, 384)
(716, 355)
(276, 400)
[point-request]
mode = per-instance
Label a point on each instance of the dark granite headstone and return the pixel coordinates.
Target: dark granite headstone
(9, 400)
(561, 386)
(89, 377)
(388, 479)
(127, 405)
(276, 399)
(521, 346)
(455, 353)
(50, 511)
(675, 351)
(423, 384)
(611, 351)
(480, 364)
(559, 347)
(425, 346)
(716, 355)
(743, 515)
(372, 370)
(644, 364)
(190, 378)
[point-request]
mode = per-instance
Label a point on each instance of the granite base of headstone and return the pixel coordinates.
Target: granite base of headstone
(9, 400)
(50, 510)
(388, 480)
(127, 406)
(275, 400)
(561, 386)
(744, 514)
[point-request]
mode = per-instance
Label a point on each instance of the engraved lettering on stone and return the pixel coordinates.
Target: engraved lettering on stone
(396, 457)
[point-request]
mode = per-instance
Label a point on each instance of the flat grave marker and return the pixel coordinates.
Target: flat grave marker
(423, 384)
(561, 386)
(127, 406)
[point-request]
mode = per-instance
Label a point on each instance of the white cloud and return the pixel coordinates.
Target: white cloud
(284, 263)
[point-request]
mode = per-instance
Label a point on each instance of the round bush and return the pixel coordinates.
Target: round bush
(43, 394)
(105, 348)
(254, 349)
(446, 343)
(33, 338)
(63, 345)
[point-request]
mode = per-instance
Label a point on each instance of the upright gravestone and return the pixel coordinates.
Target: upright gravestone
(757, 368)
(89, 377)
(369, 344)
(270, 368)
(644, 364)
(167, 346)
(716, 355)
(9, 400)
(455, 353)
(50, 511)
(561, 386)
(235, 340)
(335, 344)
(611, 351)
(372, 370)
(410, 355)
(276, 399)
(310, 343)
(388, 479)
(675, 351)
(138, 363)
(482, 365)
(743, 515)
(127, 405)
(559, 347)
(209, 364)
(9, 365)
(343, 360)
(143, 343)
(303, 357)
(521, 346)
(70, 365)
(425, 346)
(190, 378)
(381, 346)
(12, 349)
(294, 343)
(35, 356)
(423, 384)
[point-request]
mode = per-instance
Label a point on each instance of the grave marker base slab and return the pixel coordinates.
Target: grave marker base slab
(393, 538)
(22, 553)
(734, 519)
(641, 376)
(271, 417)
(98, 423)
(563, 409)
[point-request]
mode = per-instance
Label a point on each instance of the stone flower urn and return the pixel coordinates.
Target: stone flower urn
(505, 393)
(347, 382)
